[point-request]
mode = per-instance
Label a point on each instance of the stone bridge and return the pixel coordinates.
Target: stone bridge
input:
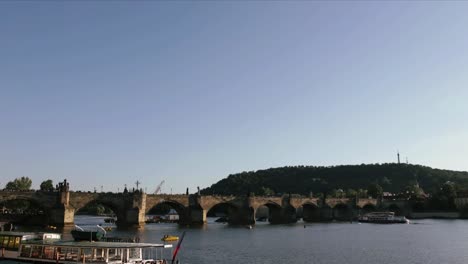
(60, 206)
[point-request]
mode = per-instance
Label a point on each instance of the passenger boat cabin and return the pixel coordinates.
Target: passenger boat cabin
(10, 241)
(94, 252)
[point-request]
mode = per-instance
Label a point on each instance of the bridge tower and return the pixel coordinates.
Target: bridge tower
(135, 213)
(62, 214)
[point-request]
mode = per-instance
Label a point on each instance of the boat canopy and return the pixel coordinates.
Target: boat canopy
(98, 244)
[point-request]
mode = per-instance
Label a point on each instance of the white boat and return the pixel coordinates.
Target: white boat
(383, 218)
(68, 252)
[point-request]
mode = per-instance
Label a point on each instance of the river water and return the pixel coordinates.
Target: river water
(422, 241)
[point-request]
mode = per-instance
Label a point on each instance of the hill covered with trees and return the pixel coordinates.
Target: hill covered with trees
(347, 179)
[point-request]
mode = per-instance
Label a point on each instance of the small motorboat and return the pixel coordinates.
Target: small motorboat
(169, 238)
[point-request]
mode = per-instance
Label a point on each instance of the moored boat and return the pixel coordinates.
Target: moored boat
(383, 218)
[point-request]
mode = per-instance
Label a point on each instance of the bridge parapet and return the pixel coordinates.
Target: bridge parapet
(361, 202)
(332, 202)
(298, 202)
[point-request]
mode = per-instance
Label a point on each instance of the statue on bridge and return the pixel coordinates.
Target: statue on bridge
(63, 186)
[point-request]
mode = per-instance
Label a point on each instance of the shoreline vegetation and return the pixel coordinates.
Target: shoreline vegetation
(431, 191)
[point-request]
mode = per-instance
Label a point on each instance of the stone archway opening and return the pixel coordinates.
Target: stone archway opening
(221, 213)
(273, 210)
(262, 214)
(98, 212)
(368, 208)
(342, 212)
(166, 212)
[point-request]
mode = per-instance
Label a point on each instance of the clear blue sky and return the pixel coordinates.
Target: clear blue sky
(108, 93)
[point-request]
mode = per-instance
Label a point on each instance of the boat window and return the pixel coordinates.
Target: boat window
(11, 243)
(25, 251)
(71, 254)
(134, 253)
(17, 242)
(36, 252)
(5, 241)
(86, 254)
(48, 253)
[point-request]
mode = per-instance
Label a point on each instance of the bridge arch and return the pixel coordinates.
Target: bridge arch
(178, 207)
(367, 208)
(274, 211)
(115, 208)
(222, 209)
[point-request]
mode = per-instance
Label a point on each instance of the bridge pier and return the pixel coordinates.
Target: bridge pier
(135, 216)
(64, 216)
(132, 218)
(311, 213)
(197, 215)
(283, 215)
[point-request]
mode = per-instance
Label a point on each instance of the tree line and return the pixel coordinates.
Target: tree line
(25, 183)
(436, 187)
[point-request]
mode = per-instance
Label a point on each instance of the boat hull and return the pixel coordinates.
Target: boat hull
(79, 235)
(405, 221)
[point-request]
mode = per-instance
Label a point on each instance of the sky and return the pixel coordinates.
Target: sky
(107, 93)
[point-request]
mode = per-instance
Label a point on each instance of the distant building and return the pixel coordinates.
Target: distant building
(172, 215)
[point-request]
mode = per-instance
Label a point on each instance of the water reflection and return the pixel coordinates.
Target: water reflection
(423, 241)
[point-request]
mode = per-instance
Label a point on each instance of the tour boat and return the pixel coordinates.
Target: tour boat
(67, 252)
(383, 218)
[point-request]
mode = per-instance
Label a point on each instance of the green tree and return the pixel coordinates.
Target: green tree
(444, 199)
(413, 191)
(47, 186)
(266, 191)
(351, 193)
(362, 193)
(374, 190)
(19, 184)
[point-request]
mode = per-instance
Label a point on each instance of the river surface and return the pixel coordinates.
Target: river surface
(422, 241)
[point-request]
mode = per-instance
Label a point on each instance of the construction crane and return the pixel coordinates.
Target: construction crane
(158, 188)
